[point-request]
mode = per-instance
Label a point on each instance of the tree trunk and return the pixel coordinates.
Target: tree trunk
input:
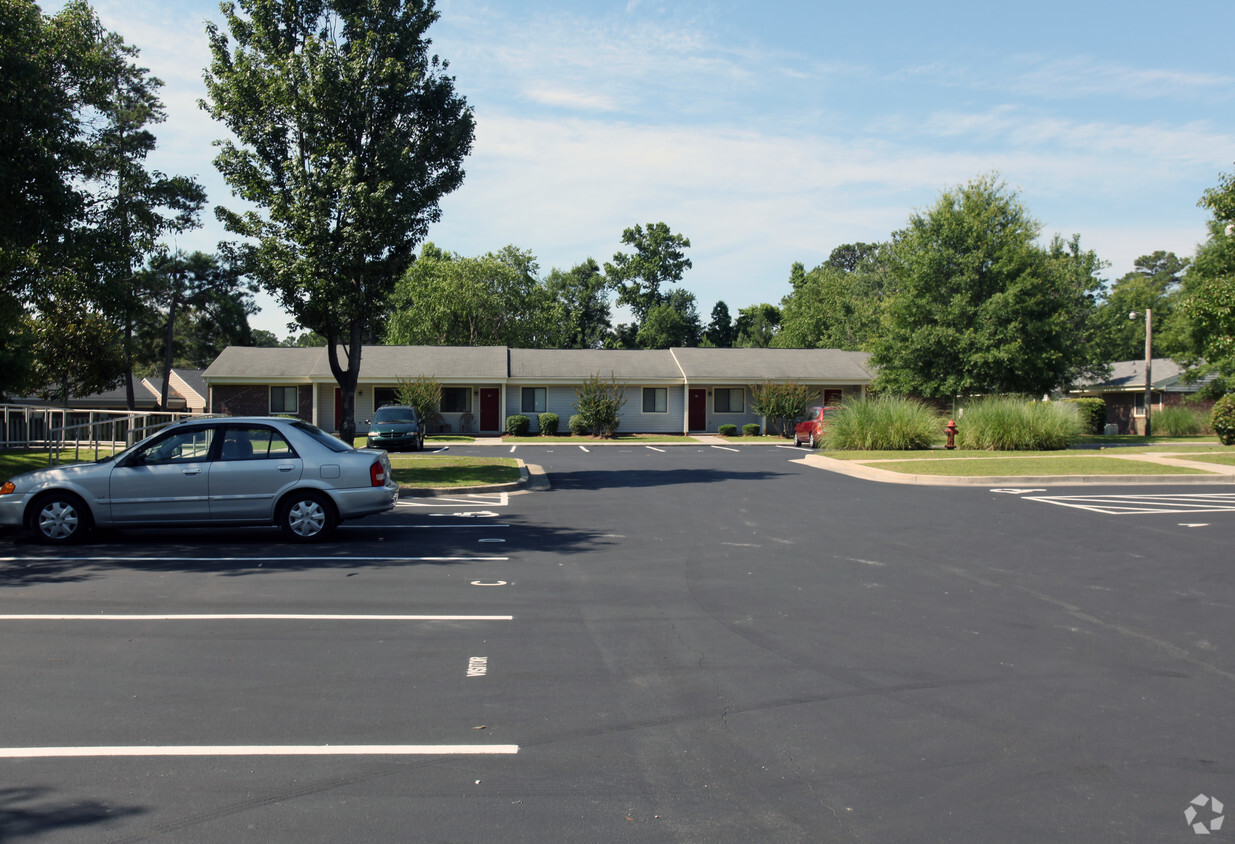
(347, 378)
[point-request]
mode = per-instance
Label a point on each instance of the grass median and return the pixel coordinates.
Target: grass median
(446, 472)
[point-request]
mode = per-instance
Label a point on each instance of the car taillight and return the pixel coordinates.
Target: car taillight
(377, 474)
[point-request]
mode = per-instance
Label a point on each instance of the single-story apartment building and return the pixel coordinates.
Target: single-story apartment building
(667, 391)
(1124, 391)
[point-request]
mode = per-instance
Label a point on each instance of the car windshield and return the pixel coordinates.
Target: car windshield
(395, 414)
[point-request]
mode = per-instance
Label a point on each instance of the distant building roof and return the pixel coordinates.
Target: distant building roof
(242, 364)
(1129, 376)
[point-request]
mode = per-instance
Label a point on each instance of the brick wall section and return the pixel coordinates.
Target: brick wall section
(254, 400)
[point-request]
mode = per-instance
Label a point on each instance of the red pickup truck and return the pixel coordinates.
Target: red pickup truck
(810, 430)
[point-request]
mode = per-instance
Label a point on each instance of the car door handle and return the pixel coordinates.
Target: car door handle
(286, 467)
(193, 470)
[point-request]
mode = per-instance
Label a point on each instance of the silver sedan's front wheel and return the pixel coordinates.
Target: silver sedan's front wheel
(59, 519)
(306, 517)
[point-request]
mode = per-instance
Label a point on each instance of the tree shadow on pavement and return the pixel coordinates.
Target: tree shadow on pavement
(33, 812)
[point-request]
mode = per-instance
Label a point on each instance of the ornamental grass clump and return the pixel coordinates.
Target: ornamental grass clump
(1177, 421)
(885, 423)
(1009, 423)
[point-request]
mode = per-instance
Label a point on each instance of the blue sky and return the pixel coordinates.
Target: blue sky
(772, 132)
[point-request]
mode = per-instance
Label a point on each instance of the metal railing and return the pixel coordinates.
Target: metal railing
(59, 429)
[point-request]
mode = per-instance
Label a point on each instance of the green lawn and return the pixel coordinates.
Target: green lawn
(23, 460)
(437, 471)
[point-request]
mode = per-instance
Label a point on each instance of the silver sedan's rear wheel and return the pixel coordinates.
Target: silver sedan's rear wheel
(306, 517)
(59, 518)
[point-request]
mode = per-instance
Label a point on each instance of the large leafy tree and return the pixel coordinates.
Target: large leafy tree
(130, 206)
(76, 348)
(979, 307)
(1154, 283)
(348, 133)
(492, 300)
(202, 304)
(756, 326)
(581, 298)
(1208, 298)
(657, 258)
(838, 304)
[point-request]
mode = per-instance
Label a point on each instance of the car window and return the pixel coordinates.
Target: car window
(813, 414)
(332, 443)
(254, 443)
(180, 447)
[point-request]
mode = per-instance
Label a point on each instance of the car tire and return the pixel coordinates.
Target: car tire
(306, 517)
(59, 518)
(795, 439)
(812, 440)
(417, 444)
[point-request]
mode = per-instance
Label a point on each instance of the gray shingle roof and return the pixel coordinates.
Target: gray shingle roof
(497, 363)
(749, 365)
(577, 364)
(1129, 375)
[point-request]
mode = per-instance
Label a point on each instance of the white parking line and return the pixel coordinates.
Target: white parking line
(260, 750)
(585, 449)
(725, 448)
(654, 448)
(489, 499)
(512, 449)
(1143, 504)
(252, 617)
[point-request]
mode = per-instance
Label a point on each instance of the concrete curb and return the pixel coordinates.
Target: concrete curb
(532, 478)
(870, 473)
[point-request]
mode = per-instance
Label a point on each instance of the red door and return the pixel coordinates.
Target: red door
(698, 410)
(489, 416)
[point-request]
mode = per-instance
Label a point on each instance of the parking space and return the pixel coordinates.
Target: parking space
(102, 669)
(1134, 504)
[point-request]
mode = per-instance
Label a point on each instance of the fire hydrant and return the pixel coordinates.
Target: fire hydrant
(951, 432)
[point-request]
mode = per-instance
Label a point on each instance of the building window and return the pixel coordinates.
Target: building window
(383, 396)
(655, 400)
(1139, 408)
(285, 400)
(726, 400)
(535, 399)
(456, 399)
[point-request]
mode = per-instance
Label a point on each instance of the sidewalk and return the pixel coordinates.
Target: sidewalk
(1216, 474)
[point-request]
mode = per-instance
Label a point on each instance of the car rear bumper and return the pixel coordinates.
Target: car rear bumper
(365, 501)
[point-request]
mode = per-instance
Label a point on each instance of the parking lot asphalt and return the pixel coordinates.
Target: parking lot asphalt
(667, 644)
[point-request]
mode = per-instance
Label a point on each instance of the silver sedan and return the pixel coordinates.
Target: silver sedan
(237, 471)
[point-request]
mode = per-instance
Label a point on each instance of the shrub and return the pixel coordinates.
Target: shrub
(750, 429)
(1009, 423)
(422, 393)
(1222, 419)
(883, 423)
(578, 427)
(727, 430)
(1177, 421)
(518, 425)
(1092, 412)
(782, 404)
(600, 404)
(548, 424)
